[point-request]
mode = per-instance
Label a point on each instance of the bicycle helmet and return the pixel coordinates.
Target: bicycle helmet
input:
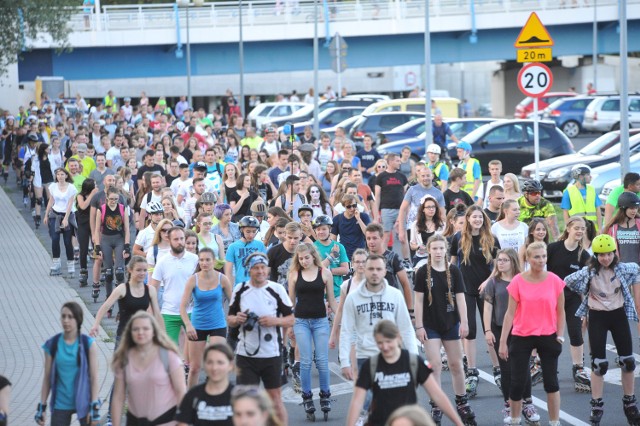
(466, 146)
(603, 244)
(306, 207)
(323, 219)
(249, 222)
(258, 209)
(433, 148)
(154, 207)
(628, 199)
(532, 185)
(208, 197)
(579, 170)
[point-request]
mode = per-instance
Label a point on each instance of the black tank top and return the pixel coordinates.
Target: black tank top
(129, 305)
(310, 297)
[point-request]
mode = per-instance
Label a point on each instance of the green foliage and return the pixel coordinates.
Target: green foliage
(40, 18)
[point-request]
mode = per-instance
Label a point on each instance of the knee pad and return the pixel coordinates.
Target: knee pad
(120, 275)
(627, 363)
(108, 275)
(600, 366)
(39, 201)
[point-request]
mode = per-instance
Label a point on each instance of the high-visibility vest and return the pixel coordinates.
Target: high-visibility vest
(581, 207)
(468, 166)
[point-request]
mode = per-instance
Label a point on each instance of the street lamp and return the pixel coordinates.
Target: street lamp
(186, 4)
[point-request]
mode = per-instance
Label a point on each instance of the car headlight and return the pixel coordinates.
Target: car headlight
(558, 173)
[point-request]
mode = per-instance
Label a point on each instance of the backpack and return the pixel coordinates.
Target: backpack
(278, 146)
(103, 210)
(413, 368)
(85, 343)
(283, 200)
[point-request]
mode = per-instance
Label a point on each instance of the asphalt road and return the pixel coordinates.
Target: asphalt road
(488, 403)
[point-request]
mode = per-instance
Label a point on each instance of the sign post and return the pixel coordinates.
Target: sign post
(534, 79)
(338, 50)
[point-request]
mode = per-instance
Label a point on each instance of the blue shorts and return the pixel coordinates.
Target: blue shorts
(452, 334)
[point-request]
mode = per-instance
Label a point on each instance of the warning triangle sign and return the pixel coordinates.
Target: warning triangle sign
(533, 34)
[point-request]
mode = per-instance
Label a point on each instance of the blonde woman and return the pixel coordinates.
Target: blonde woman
(511, 187)
(159, 247)
(309, 284)
(148, 372)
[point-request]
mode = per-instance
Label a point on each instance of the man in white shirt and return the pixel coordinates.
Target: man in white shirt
(172, 272)
(154, 195)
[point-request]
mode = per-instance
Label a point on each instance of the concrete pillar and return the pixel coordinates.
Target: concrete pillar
(10, 93)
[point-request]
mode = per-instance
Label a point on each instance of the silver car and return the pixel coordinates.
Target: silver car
(603, 113)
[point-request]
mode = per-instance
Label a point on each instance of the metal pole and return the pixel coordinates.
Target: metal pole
(428, 130)
(339, 66)
(316, 125)
(594, 59)
(536, 137)
(241, 54)
(188, 62)
(624, 91)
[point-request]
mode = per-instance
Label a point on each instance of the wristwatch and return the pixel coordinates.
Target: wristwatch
(560, 339)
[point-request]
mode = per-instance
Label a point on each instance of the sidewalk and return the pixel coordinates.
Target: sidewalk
(30, 302)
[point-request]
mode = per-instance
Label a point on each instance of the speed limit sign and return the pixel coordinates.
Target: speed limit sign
(535, 80)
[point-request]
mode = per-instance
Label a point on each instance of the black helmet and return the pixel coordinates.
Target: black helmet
(249, 222)
(532, 185)
(628, 199)
(323, 219)
(306, 207)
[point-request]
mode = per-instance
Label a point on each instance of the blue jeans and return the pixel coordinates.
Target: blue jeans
(313, 333)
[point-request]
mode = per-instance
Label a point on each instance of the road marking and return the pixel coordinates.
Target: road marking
(566, 417)
(289, 396)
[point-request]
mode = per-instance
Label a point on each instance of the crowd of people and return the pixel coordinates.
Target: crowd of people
(226, 250)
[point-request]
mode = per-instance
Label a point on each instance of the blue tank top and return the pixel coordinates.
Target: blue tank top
(207, 311)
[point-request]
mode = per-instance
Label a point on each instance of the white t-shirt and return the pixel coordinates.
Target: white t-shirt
(145, 237)
(61, 199)
(174, 272)
(510, 238)
(146, 201)
(186, 188)
(114, 156)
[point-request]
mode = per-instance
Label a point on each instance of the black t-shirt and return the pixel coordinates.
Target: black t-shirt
(393, 267)
(156, 169)
(452, 198)
(279, 262)
(310, 297)
(476, 270)
(112, 222)
(198, 408)
(391, 189)
(441, 315)
(492, 216)
(170, 178)
(392, 386)
(563, 262)
(368, 160)
(245, 208)
(265, 192)
(187, 154)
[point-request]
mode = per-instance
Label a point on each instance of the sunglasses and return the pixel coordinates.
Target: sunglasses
(165, 230)
(351, 206)
(535, 193)
(112, 199)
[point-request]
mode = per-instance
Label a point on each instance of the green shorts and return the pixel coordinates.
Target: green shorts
(172, 324)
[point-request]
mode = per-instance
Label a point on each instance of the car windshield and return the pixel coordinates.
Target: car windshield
(265, 111)
(615, 150)
(476, 133)
(601, 144)
(409, 125)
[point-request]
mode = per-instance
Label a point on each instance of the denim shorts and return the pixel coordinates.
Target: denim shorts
(389, 217)
(452, 334)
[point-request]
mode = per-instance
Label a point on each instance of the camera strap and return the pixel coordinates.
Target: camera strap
(244, 340)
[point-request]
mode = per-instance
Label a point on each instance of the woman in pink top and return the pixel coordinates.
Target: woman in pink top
(148, 370)
(535, 320)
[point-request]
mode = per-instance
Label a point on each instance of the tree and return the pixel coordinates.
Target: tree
(24, 21)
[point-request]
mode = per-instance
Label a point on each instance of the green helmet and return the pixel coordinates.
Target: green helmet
(603, 244)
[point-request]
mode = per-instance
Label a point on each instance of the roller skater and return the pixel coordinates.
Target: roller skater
(606, 284)
(630, 407)
(464, 410)
(309, 407)
(471, 382)
(436, 413)
(56, 267)
(497, 377)
(95, 292)
(596, 411)
(84, 278)
(71, 269)
(295, 376)
(530, 414)
(325, 404)
(581, 380)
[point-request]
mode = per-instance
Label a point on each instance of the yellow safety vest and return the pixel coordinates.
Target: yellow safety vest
(580, 207)
(468, 166)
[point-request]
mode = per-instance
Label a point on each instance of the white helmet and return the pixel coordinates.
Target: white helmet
(155, 207)
(434, 149)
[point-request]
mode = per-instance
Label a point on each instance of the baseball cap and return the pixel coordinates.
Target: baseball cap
(200, 165)
(82, 147)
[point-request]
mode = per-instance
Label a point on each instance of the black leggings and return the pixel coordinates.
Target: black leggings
(505, 367)
(472, 302)
(572, 302)
(549, 350)
(600, 323)
(83, 232)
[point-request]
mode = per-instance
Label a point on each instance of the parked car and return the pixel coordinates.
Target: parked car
(606, 190)
(410, 129)
(511, 141)
(525, 107)
(374, 96)
(603, 113)
(555, 174)
(602, 175)
(450, 107)
(329, 117)
(267, 111)
(306, 113)
(568, 114)
(346, 125)
(379, 122)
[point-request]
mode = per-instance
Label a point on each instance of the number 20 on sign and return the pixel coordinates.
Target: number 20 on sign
(535, 80)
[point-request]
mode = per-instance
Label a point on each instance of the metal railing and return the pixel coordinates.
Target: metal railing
(263, 13)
